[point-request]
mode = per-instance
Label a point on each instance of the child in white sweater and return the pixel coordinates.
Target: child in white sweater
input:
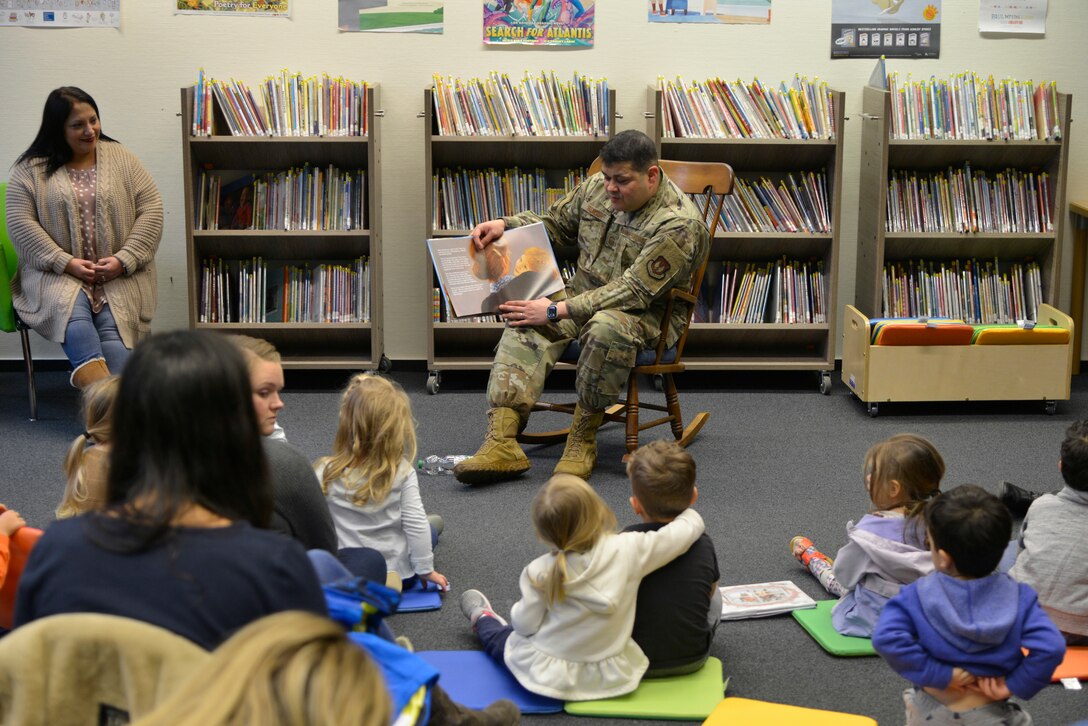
(571, 631)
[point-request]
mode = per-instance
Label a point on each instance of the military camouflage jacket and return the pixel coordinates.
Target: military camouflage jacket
(627, 260)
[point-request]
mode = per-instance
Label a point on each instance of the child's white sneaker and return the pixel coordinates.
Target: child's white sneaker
(474, 604)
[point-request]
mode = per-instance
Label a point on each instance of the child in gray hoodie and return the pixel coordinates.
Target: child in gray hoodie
(1053, 548)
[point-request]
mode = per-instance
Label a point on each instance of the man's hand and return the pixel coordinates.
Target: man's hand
(522, 313)
(487, 232)
(108, 268)
(82, 270)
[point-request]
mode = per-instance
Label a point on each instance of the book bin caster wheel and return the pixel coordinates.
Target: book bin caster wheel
(384, 364)
(873, 409)
(659, 382)
(825, 383)
(1051, 407)
(433, 381)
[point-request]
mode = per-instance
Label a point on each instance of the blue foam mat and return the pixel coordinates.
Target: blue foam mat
(474, 680)
(416, 599)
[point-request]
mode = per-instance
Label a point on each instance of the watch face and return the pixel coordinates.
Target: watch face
(553, 313)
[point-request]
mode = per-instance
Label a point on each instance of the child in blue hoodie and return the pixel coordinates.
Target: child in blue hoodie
(957, 634)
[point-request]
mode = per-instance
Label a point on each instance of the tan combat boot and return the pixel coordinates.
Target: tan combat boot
(89, 372)
(580, 455)
(500, 456)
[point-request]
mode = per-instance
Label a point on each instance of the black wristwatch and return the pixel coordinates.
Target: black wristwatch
(553, 313)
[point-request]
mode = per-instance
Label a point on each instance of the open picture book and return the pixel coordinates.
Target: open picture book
(762, 599)
(520, 265)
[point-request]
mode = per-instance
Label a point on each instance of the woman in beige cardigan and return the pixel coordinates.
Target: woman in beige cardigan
(86, 219)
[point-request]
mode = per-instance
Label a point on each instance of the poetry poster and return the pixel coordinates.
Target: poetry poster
(234, 7)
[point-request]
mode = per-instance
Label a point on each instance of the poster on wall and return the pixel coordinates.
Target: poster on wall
(61, 13)
(234, 7)
(732, 12)
(890, 28)
(1022, 17)
(391, 16)
(566, 23)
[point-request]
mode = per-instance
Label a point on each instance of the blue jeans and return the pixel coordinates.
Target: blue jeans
(91, 335)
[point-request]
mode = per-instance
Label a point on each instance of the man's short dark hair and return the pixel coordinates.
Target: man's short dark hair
(633, 147)
(972, 526)
(1075, 456)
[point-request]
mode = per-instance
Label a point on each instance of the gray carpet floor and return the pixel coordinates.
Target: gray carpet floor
(776, 459)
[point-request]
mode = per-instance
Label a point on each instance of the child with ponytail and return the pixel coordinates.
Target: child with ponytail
(886, 549)
(87, 464)
(570, 633)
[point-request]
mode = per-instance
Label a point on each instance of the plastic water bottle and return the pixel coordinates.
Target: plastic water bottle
(435, 465)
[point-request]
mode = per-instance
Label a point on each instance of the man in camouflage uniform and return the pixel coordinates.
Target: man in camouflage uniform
(638, 237)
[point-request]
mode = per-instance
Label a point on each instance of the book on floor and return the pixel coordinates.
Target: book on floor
(762, 599)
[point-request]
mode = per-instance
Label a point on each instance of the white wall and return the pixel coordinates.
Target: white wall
(134, 74)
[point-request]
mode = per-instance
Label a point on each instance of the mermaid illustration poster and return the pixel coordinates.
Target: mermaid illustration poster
(890, 28)
(539, 22)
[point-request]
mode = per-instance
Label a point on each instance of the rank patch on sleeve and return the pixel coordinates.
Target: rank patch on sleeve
(658, 268)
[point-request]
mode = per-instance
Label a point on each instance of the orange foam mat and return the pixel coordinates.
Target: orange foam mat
(1074, 665)
(748, 712)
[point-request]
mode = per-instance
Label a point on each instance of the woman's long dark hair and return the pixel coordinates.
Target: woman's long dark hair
(184, 432)
(50, 143)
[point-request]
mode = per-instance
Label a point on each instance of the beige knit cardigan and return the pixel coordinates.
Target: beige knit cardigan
(43, 221)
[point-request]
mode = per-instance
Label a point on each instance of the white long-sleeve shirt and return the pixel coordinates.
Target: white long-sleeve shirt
(397, 527)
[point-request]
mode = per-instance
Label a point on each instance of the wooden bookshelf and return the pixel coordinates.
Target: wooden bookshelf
(767, 346)
(468, 345)
(881, 155)
(349, 346)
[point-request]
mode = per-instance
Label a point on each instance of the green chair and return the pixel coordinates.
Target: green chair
(9, 319)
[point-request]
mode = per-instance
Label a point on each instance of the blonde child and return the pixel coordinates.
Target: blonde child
(87, 464)
(887, 547)
(369, 482)
(571, 630)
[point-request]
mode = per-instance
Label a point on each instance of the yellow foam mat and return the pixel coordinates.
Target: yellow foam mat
(734, 711)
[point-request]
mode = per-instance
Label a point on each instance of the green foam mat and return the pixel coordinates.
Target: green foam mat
(817, 621)
(682, 698)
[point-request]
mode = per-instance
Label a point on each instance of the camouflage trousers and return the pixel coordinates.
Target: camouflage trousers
(525, 356)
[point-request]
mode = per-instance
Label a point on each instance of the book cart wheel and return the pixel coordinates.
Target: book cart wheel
(873, 409)
(825, 382)
(1051, 407)
(434, 378)
(384, 364)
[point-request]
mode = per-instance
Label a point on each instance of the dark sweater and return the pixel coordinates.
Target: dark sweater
(300, 508)
(671, 618)
(201, 583)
